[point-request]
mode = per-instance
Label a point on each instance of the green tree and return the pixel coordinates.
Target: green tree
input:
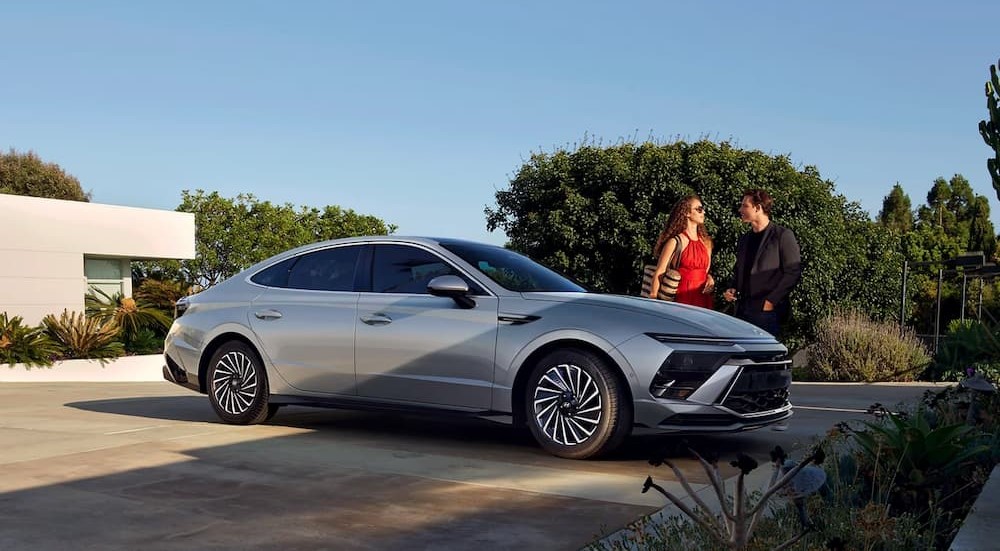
(936, 212)
(27, 174)
(954, 221)
(897, 211)
(595, 212)
(990, 129)
(231, 234)
(981, 237)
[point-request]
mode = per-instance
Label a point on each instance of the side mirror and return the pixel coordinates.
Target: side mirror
(453, 287)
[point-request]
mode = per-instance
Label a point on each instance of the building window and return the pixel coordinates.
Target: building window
(106, 274)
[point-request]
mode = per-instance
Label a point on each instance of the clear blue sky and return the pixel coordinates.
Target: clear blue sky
(417, 112)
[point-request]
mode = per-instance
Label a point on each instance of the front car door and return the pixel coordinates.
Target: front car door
(412, 346)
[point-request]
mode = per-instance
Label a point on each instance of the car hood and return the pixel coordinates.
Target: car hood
(702, 322)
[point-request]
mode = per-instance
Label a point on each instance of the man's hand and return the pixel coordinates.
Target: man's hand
(729, 295)
(768, 307)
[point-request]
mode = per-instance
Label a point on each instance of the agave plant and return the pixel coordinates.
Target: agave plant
(79, 336)
(130, 315)
(24, 344)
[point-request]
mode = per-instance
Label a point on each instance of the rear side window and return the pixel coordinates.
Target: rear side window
(274, 276)
(404, 269)
(326, 270)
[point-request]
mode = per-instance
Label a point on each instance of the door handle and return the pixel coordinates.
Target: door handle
(376, 319)
(267, 314)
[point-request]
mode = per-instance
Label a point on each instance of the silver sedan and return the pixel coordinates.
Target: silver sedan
(455, 327)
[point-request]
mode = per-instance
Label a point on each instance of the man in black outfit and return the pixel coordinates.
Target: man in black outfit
(768, 266)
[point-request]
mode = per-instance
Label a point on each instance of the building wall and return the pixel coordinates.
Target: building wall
(45, 242)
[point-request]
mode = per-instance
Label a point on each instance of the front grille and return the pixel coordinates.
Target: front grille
(760, 386)
(756, 402)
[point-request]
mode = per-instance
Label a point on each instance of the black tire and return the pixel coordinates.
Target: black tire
(575, 405)
(237, 384)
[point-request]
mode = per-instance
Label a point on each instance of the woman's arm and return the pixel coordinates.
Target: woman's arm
(709, 280)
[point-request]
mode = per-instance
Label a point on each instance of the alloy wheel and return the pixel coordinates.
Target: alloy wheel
(234, 383)
(567, 404)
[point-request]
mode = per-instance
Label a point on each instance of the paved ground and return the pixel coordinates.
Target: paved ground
(147, 465)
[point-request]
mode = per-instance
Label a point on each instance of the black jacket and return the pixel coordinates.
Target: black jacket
(774, 271)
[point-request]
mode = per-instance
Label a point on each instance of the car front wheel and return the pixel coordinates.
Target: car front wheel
(237, 384)
(576, 407)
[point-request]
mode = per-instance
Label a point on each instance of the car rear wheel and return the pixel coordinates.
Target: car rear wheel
(576, 407)
(237, 384)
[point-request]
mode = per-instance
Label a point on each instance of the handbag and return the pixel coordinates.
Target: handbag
(669, 281)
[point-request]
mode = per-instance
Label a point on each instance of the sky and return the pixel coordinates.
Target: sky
(418, 112)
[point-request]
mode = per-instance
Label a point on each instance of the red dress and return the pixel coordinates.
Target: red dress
(694, 273)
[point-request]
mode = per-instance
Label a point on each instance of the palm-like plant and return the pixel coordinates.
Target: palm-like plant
(130, 315)
(162, 295)
(24, 344)
(79, 336)
(918, 456)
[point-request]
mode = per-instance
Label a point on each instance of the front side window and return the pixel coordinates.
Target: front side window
(327, 270)
(405, 269)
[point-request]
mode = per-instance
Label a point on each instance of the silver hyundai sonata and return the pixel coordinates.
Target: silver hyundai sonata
(456, 327)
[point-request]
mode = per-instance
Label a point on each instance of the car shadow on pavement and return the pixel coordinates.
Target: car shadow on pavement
(172, 408)
(470, 437)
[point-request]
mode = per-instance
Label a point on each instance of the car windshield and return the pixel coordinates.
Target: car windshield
(511, 270)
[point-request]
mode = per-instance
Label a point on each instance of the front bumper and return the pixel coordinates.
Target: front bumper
(748, 390)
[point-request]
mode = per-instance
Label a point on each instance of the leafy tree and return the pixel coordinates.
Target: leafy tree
(990, 129)
(595, 212)
(27, 174)
(231, 234)
(897, 212)
(954, 221)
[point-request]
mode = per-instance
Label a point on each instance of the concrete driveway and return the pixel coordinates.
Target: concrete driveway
(147, 465)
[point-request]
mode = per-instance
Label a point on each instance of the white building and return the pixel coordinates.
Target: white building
(52, 251)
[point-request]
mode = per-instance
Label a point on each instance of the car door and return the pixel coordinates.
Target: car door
(305, 318)
(415, 347)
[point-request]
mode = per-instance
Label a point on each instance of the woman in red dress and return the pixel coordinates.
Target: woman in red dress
(687, 220)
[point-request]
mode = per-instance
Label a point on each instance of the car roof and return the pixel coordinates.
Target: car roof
(402, 238)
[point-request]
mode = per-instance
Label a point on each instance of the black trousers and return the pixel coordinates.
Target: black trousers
(768, 321)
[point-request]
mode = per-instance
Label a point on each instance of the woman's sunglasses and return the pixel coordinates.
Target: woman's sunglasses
(699, 208)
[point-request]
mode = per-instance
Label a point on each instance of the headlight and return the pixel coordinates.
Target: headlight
(668, 338)
(180, 307)
(683, 372)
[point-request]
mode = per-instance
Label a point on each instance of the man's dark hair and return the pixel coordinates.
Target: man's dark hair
(760, 198)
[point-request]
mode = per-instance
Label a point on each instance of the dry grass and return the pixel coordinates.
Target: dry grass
(851, 347)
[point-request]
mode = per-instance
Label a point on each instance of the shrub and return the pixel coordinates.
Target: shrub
(162, 295)
(24, 344)
(78, 336)
(851, 347)
(967, 344)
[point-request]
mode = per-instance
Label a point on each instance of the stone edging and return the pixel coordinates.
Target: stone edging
(980, 529)
(125, 369)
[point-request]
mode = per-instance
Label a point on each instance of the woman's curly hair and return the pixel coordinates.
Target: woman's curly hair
(677, 223)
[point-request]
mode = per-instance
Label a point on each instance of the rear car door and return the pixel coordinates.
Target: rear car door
(305, 318)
